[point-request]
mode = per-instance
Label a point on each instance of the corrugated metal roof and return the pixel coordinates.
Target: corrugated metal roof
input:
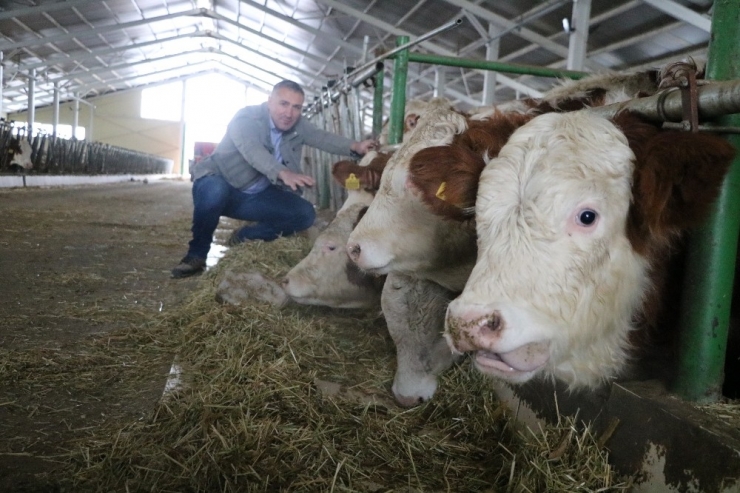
(94, 47)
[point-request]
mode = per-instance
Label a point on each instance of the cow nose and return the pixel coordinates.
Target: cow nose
(492, 323)
(354, 250)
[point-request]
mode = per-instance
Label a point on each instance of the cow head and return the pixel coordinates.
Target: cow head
(326, 276)
(570, 218)
(446, 177)
(398, 233)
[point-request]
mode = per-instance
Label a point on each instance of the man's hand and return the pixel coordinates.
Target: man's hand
(362, 147)
(295, 180)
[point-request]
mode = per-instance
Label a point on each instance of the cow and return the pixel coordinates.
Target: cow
(402, 234)
(414, 309)
(412, 112)
(398, 234)
(20, 150)
(421, 186)
(326, 276)
(575, 219)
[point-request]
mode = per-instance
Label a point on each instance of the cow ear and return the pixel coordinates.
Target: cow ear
(341, 171)
(447, 178)
(410, 121)
(676, 180)
(375, 170)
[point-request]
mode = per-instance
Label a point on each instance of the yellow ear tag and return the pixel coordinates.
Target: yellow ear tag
(441, 191)
(352, 183)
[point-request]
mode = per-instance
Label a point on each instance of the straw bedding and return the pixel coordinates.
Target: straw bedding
(298, 399)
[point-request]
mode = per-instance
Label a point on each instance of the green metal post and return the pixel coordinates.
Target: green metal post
(511, 68)
(705, 308)
(378, 104)
(398, 98)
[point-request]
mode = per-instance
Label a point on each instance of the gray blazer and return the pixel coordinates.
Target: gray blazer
(245, 153)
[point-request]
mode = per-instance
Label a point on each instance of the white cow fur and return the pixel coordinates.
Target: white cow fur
(414, 310)
(566, 293)
(398, 233)
(321, 278)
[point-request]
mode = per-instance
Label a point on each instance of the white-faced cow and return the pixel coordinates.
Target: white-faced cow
(574, 219)
(403, 231)
(434, 176)
(326, 276)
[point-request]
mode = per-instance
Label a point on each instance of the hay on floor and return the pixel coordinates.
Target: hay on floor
(298, 399)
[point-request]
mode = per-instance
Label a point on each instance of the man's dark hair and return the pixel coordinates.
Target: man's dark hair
(289, 84)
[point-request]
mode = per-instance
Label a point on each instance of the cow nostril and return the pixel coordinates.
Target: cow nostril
(285, 282)
(492, 323)
(354, 250)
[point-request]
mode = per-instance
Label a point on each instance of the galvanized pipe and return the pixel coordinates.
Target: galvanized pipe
(511, 68)
(398, 97)
(714, 100)
(378, 104)
(705, 307)
(406, 45)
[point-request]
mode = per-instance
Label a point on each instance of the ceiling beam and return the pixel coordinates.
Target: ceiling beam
(47, 7)
(43, 40)
(316, 32)
(682, 13)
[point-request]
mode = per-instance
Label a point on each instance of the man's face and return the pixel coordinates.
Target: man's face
(285, 107)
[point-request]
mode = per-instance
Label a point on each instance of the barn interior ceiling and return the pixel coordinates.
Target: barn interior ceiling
(86, 48)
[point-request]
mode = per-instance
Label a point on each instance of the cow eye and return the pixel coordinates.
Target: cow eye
(331, 248)
(587, 217)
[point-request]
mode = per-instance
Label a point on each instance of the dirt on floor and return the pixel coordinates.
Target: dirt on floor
(78, 263)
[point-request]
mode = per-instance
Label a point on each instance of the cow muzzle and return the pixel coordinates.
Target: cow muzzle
(498, 352)
(354, 251)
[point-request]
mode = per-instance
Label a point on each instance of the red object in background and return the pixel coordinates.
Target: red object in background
(203, 149)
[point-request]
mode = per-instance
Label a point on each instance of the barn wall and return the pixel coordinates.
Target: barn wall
(117, 122)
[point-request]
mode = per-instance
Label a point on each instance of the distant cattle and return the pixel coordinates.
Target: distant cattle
(20, 151)
(575, 219)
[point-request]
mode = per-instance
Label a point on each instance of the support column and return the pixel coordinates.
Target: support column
(398, 98)
(440, 78)
(55, 114)
(76, 117)
(31, 115)
(89, 133)
(378, 104)
(492, 53)
(579, 34)
(705, 307)
(1, 83)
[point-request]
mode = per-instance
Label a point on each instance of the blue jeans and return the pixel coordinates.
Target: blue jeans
(277, 212)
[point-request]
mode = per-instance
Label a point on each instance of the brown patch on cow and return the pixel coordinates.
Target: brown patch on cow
(460, 164)
(676, 180)
(368, 176)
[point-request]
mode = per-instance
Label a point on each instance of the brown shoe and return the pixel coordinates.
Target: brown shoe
(189, 266)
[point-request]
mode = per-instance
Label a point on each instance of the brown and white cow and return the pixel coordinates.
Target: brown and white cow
(398, 233)
(413, 110)
(434, 177)
(575, 218)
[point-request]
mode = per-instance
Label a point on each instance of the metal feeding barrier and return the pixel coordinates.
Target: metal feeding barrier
(57, 156)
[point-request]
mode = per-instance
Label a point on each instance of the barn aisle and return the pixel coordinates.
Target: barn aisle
(77, 263)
